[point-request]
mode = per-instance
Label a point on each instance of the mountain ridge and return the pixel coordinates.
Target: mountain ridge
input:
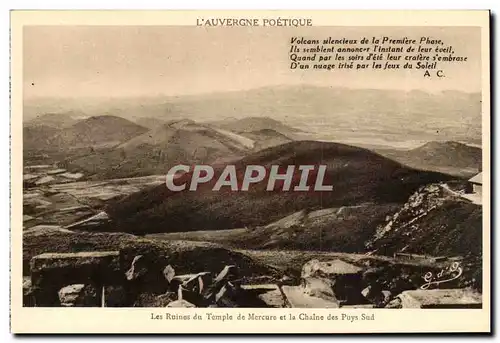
(445, 156)
(358, 175)
(97, 130)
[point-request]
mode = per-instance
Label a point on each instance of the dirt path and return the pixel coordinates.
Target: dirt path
(474, 198)
(293, 260)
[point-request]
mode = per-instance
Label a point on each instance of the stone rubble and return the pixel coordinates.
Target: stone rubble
(101, 279)
(78, 295)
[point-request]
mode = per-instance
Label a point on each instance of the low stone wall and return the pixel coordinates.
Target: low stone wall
(52, 271)
(441, 298)
(108, 278)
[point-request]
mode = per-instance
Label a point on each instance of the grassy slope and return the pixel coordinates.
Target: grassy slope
(446, 157)
(185, 257)
(339, 229)
(155, 151)
(358, 176)
(97, 131)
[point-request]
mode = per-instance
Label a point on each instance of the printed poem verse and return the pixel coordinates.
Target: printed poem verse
(383, 53)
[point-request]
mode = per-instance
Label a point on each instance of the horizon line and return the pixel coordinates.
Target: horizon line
(156, 95)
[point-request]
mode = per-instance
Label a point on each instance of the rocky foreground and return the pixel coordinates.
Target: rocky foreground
(125, 271)
(427, 253)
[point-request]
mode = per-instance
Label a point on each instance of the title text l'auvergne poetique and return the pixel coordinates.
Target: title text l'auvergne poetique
(279, 22)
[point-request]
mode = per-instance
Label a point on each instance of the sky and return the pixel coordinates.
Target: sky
(125, 61)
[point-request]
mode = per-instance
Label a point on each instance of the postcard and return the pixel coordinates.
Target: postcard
(250, 172)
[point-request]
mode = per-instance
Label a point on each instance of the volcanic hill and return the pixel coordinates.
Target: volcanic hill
(357, 175)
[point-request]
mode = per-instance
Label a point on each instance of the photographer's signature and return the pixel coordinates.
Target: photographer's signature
(445, 275)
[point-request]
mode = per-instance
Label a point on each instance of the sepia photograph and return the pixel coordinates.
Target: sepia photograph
(256, 163)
